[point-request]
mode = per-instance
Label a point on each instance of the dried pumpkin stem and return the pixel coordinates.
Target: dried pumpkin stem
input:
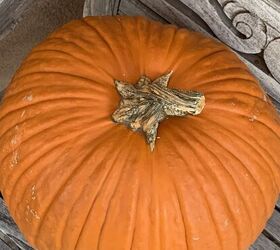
(146, 103)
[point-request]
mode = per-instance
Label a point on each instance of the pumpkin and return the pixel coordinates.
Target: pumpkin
(76, 171)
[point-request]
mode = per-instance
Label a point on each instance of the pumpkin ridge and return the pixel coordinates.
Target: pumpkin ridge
(51, 53)
(206, 56)
(57, 73)
(106, 42)
(243, 73)
(221, 81)
(125, 35)
(9, 112)
(242, 164)
(180, 206)
(79, 165)
(80, 94)
(202, 193)
(216, 182)
(21, 123)
(75, 44)
(236, 186)
(113, 194)
(100, 187)
(209, 92)
(254, 148)
(25, 170)
(245, 116)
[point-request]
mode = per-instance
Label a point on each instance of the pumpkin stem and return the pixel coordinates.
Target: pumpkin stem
(146, 103)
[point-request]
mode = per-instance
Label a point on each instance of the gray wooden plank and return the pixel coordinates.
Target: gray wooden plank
(4, 246)
(10, 14)
(273, 227)
(179, 14)
(9, 232)
(263, 243)
(104, 7)
(278, 202)
(136, 8)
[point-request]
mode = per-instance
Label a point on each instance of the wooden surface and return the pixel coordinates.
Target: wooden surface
(10, 14)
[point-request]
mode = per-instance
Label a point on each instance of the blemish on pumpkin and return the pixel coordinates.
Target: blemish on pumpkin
(28, 98)
(23, 113)
(14, 159)
(265, 97)
(14, 140)
(35, 214)
(232, 103)
(252, 118)
(195, 238)
(33, 192)
(226, 222)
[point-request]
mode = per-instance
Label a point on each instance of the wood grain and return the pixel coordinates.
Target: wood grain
(10, 14)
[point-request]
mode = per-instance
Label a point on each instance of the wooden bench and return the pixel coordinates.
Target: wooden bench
(251, 28)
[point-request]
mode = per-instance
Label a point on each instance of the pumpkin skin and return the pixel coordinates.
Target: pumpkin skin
(73, 179)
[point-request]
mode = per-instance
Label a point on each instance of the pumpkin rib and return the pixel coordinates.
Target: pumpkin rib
(249, 95)
(52, 127)
(113, 194)
(207, 56)
(51, 45)
(183, 216)
(106, 42)
(4, 133)
(242, 115)
(201, 193)
(100, 187)
(253, 147)
(223, 81)
(241, 196)
(124, 32)
(53, 72)
(56, 89)
(216, 180)
(242, 164)
(47, 53)
(30, 85)
(168, 49)
(228, 71)
(100, 139)
(228, 206)
(9, 112)
(81, 48)
(135, 220)
(245, 143)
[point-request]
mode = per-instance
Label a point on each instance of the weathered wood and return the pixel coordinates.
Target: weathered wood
(264, 243)
(9, 232)
(102, 8)
(10, 14)
(136, 8)
(273, 226)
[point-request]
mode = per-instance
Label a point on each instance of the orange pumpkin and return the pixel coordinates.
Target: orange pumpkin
(74, 179)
